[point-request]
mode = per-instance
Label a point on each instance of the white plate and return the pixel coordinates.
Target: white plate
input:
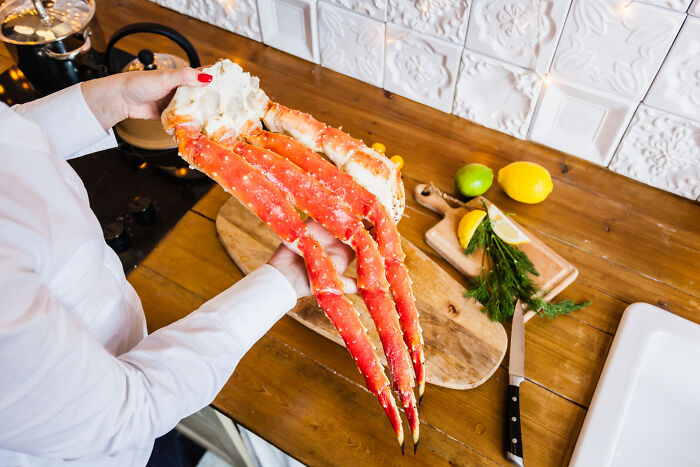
(646, 408)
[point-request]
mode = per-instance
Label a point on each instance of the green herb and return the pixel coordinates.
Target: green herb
(505, 277)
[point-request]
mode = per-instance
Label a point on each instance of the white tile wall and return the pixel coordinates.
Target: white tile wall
(495, 94)
(239, 16)
(420, 67)
(615, 46)
(446, 19)
(678, 5)
(662, 150)
(694, 8)
(351, 44)
(597, 58)
(374, 8)
(585, 123)
(676, 88)
(291, 26)
(523, 32)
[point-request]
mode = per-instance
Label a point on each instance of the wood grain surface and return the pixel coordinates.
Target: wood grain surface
(302, 392)
(462, 346)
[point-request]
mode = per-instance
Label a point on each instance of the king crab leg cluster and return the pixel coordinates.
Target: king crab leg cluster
(273, 172)
(364, 204)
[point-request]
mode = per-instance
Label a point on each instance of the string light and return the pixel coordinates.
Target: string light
(625, 8)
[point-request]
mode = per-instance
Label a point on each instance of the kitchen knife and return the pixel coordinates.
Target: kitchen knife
(516, 374)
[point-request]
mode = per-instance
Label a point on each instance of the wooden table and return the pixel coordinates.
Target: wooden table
(303, 393)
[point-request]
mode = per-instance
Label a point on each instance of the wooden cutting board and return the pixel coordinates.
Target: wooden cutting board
(462, 346)
(555, 272)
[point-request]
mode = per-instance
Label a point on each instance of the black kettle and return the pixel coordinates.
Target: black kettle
(147, 134)
(146, 59)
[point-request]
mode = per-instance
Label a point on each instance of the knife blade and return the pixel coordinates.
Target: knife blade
(516, 374)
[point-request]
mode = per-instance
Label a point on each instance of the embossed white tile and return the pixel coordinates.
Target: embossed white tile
(661, 150)
(694, 8)
(291, 26)
(524, 32)
(351, 44)
(446, 19)
(495, 94)
(239, 16)
(615, 46)
(678, 5)
(374, 8)
(420, 67)
(583, 122)
(676, 88)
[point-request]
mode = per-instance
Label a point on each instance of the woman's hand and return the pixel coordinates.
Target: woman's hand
(291, 265)
(136, 94)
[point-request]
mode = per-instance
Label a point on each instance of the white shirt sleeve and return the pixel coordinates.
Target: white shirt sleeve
(63, 396)
(72, 127)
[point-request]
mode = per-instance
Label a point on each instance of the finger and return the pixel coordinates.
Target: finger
(319, 232)
(349, 284)
(332, 245)
(188, 77)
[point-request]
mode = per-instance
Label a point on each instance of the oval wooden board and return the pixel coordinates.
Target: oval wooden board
(462, 347)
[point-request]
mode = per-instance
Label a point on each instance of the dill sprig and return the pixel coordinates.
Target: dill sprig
(505, 277)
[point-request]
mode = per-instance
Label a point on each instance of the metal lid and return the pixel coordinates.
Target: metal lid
(147, 60)
(33, 22)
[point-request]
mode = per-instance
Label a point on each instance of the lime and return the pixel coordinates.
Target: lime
(473, 179)
(526, 182)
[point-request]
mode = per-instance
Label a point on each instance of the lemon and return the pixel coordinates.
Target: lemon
(473, 179)
(379, 147)
(467, 226)
(526, 182)
(505, 228)
(398, 160)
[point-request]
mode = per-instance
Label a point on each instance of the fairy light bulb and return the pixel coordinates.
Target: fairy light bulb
(625, 8)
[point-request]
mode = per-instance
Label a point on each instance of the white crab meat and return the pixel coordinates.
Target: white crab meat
(231, 103)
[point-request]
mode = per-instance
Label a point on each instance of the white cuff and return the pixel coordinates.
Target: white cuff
(250, 307)
(72, 127)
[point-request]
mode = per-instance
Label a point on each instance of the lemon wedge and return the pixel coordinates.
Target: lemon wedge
(505, 228)
(467, 226)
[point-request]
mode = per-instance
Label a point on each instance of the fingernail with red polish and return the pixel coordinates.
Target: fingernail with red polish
(204, 78)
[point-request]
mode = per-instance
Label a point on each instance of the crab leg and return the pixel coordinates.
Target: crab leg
(312, 197)
(365, 165)
(252, 188)
(366, 205)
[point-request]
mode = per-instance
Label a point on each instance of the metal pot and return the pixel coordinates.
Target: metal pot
(48, 39)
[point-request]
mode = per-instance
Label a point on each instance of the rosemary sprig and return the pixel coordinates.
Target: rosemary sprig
(505, 277)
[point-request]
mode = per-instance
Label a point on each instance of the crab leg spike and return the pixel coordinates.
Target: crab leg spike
(270, 205)
(309, 195)
(364, 204)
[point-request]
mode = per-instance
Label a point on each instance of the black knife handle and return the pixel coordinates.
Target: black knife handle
(514, 441)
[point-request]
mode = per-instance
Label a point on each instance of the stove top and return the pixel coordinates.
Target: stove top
(138, 196)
